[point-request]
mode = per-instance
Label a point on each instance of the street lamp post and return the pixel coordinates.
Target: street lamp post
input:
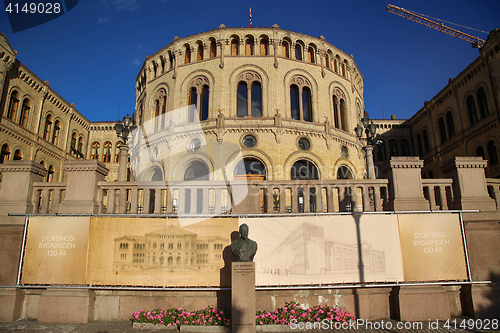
(123, 129)
(370, 129)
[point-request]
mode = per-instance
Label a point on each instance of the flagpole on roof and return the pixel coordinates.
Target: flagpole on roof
(250, 17)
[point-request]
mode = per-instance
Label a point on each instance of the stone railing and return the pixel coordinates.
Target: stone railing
(438, 192)
(493, 185)
(47, 197)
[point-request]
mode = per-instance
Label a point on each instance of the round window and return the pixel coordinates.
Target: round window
(249, 141)
(195, 145)
(304, 144)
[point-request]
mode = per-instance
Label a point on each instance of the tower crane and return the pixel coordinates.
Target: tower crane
(475, 41)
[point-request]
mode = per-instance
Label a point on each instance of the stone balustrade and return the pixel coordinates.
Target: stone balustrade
(438, 192)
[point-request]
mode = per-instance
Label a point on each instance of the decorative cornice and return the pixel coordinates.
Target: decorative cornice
(87, 165)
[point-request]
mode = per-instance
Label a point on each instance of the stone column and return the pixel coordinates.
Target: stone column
(122, 163)
(82, 187)
(16, 192)
(405, 184)
(369, 161)
(469, 183)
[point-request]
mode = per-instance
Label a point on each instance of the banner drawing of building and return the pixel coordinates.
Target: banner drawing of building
(306, 251)
(170, 249)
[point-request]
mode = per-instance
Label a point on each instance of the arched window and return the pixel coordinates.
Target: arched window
(393, 148)
(55, 135)
(94, 151)
(304, 170)
(197, 171)
(200, 51)
(250, 166)
(343, 172)
(301, 109)
(25, 111)
(249, 46)
(342, 69)
(213, 49)
(80, 147)
(336, 64)
(48, 127)
(450, 124)
(235, 46)
(483, 103)
(405, 148)
(345, 68)
(170, 60)
(327, 61)
(117, 151)
(13, 105)
(17, 155)
(264, 46)
(187, 58)
(72, 146)
(425, 137)
(298, 51)
(442, 130)
(339, 110)
(4, 153)
(419, 145)
(310, 55)
(249, 95)
(199, 98)
(381, 154)
(480, 152)
(285, 49)
(50, 174)
(492, 152)
(160, 109)
(471, 109)
(106, 152)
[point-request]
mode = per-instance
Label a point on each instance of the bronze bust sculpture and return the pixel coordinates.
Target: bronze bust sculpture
(244, 248)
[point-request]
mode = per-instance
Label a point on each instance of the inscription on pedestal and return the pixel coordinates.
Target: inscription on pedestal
(243, 297)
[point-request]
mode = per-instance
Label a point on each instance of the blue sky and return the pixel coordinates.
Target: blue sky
(92, 55)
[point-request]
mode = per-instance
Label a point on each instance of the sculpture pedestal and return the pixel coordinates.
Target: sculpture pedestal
(243, 297)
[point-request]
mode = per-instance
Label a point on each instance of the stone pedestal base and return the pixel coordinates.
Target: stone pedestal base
(66, 306)
(422, 303)
(243, 297)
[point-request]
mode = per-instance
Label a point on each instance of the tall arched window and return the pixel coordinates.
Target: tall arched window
(343, 172)
(50, 174)
(345, 69)
(285, 49)
(80, 147)
(4, 153)
(200, 51)
(336, 64)
(17, 155)
(381, 154)
(94, 151)
(393, 148)
(442, 130)
(301, 99)
(55, 135)
(480, 152)
(492, 152)
(48, 127)
(450, 124)
(250, 166)
(72, 145)
(264, 46)
(425, 138)
(213, 49)
(298, 51)
(249, 46)
(405, 148)
(13, 105)
(419, 145)
(197, 171)
(249, 95)
(106, 152)
(483, 103)
(25, 111)
(117, 151)
(471, 109)
(235, 46)
(310, 55)
(304, 170)
(160, 109)
(187, 57)
(327, 61)
(170, 60)
(339, 110)
(199, 98)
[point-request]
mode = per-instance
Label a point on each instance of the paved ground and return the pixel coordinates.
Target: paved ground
(391, 326)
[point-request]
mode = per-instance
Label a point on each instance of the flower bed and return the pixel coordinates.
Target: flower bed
(292, 313)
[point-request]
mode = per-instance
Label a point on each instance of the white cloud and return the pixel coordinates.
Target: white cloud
(136, 62)
(140, 47)
(103, 19)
